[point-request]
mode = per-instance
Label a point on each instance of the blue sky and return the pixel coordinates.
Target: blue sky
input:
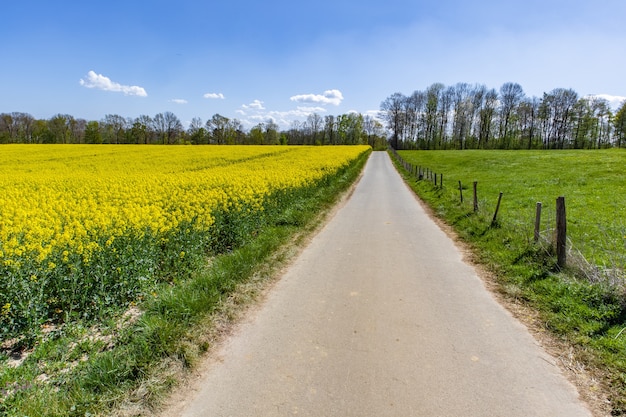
(255, 60)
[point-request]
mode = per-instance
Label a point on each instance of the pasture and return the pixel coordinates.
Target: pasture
(592, 182)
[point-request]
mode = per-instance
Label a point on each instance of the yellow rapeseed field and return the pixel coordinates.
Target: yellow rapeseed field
(60, 196)
(72, 217)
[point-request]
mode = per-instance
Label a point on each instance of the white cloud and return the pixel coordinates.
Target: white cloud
(328, 97)
(310, 110)
(256, 104)
(214, 95)
(614, 101)
(179, 101)
(282, 118)
(100, 82)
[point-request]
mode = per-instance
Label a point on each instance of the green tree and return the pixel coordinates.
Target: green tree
(59, 128)
(92, 133)
(619, 123)
(196, 133)
(218, 128)
(256, 135)
(271, 135)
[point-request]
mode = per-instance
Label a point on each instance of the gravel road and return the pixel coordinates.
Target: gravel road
(379, 316)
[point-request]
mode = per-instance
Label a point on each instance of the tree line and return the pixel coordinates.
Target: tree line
(465, 116)
(166, 128)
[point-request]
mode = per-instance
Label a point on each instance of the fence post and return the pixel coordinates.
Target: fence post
(495, 215)
(435, 179)
(475, 196)
(461, 191)
(537, 221)
(561, 232)
(441, 180)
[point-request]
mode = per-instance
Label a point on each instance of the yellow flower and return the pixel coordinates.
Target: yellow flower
(69, 198)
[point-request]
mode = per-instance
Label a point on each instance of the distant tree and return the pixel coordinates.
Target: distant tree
(432, 116)
(330, 130)
(256, 134)
(295, 134)
(271, 134)
(462, 109)
(77, 130)
(218, 127)
(315, 122)
(168, 127)
(619, 123)
(392, 111)
(7, 128)
(528, 110)
(486, 115)
(556, 112)
(23, 124)
(113, 128)
(196, 133)
(350, 129)
(413, 108)
(41, 132)
(143, 130)
(59, 128)
(511, 94)
(602, 114)
(443, 117)
(92, 133)
(375, 132)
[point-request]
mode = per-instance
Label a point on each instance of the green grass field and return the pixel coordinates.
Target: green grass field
(584, 304)
(592, 182)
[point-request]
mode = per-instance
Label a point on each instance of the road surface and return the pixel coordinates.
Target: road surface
(379, 316)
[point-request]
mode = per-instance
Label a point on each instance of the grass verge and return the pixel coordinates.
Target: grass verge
(126, 365)
(586, 320)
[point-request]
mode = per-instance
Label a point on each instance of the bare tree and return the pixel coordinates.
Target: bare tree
(510, 96)
(315, 122)
(392, 111)
(168, 127)
(528, 112)
(114, 128)
(555, 112)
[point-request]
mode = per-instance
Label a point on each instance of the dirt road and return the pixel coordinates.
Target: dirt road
(379, 316)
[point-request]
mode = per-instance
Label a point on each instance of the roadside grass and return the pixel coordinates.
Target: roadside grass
(126, 364)
(583, 304)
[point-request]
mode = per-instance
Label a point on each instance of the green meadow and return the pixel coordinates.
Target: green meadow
(592, 182)
(583, 304)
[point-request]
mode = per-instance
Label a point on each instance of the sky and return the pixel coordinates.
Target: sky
(283, 60)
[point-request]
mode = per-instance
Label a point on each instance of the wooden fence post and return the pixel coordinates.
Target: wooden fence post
(537, 221)
(495, 215)
(561, 232)
(461, 191)
(475, 196)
